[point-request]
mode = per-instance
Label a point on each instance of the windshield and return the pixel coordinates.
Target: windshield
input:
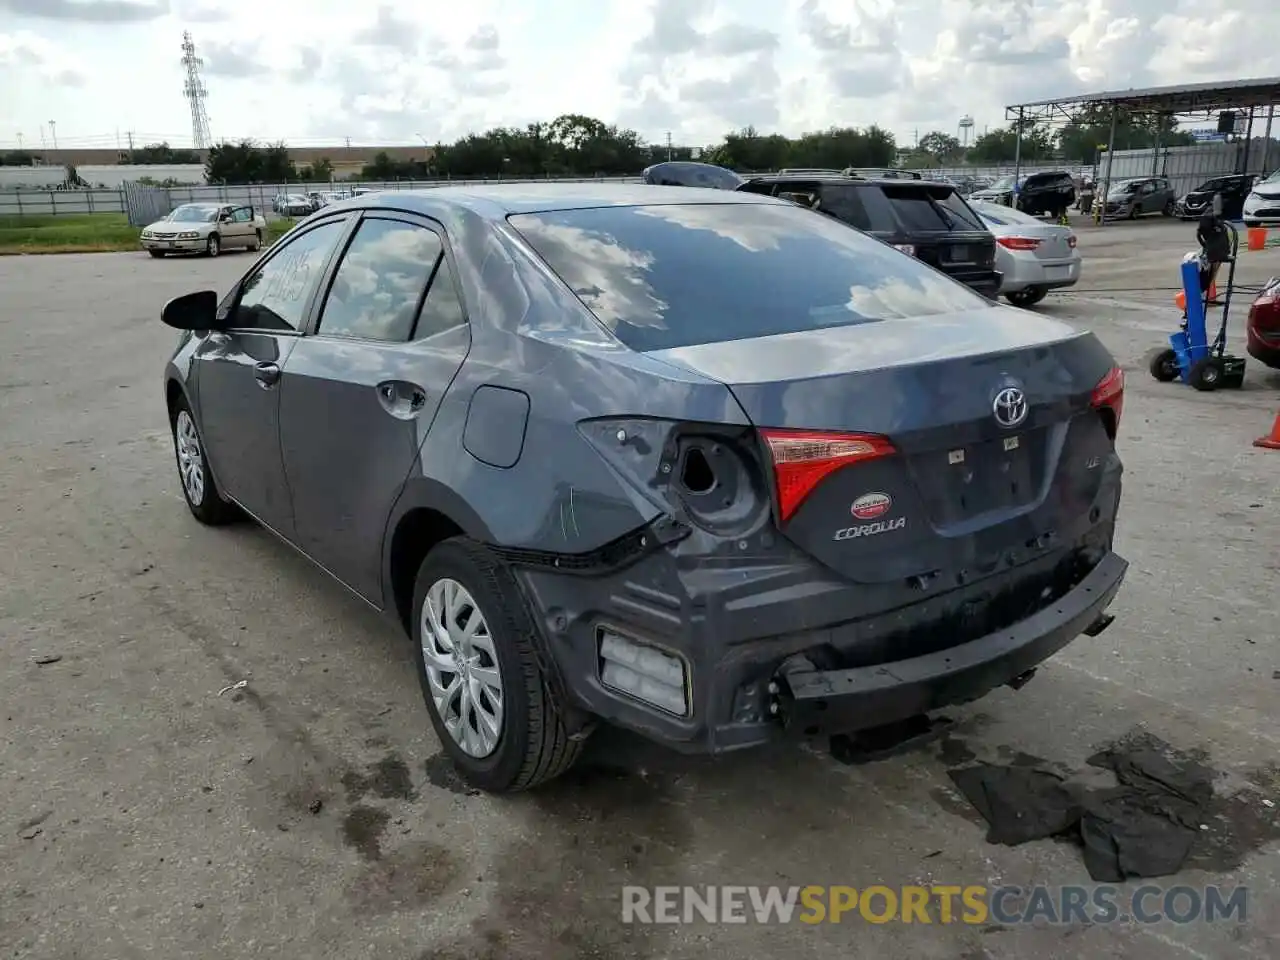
(1272, 178)
(674, 275)
(194, 213)
(994, 213)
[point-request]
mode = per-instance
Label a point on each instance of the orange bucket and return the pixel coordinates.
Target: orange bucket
(1180, 298)
(1256, 238)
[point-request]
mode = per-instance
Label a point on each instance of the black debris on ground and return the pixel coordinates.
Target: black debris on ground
(1018, 803)
(1145, 827)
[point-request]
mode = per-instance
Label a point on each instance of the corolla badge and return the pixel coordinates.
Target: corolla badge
(1009, 407)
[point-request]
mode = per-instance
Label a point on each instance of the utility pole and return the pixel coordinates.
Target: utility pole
(53, 131)
(130, 136)
(44, 144)
(348, 139)
(668, 144)
(19, 140)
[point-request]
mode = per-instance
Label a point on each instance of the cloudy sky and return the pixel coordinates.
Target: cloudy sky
(403, 70)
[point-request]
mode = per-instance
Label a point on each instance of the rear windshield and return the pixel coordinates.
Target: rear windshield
(931, 209)
(674, 275)
(999, 214)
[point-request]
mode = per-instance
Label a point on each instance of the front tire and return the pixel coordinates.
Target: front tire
(493, 710)
(158, 254)
(214, 246)
(199, 488)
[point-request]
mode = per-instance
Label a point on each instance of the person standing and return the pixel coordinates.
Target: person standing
(1215, 240)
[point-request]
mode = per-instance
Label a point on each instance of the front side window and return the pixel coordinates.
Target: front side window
(275, 297)
(241, 215)
(380, 281)
(674, 275)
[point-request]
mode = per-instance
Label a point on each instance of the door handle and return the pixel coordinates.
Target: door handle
(267, 374)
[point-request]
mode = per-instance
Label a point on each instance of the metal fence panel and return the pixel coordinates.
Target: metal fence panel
(145, 204)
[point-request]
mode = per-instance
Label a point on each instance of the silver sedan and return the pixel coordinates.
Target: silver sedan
(205, 228)
(1033, 256)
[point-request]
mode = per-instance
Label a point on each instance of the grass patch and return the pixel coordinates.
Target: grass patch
(84, 233)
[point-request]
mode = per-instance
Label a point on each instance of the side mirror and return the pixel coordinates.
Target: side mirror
(192, 311)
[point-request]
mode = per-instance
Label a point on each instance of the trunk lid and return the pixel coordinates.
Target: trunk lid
(963, 492)
(1055, 241)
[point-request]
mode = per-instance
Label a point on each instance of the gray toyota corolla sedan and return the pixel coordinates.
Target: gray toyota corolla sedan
(706, 465)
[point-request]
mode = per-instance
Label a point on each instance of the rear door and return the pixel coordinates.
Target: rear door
(360, 391)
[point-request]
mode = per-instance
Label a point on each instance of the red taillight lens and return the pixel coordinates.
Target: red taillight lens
(1109, 395)
(1018, 243)
(802, 459)
(1071, 241)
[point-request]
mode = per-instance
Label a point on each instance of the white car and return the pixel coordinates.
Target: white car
(206, 228)
(1033, 257)
(1262, 205)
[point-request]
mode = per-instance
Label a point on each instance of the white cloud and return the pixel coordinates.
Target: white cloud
(397, 71)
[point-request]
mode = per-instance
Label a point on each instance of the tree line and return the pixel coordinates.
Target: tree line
(578, 145)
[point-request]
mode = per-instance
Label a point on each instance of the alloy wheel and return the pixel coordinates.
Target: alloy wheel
(190, 457)
(462, 668)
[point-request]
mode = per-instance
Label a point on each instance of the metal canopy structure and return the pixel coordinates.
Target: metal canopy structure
(1181, 100)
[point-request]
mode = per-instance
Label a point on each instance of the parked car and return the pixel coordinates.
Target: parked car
(1232, 189)
(929, 220)
(690, 173)
(1130, 199)
(1033, 257)
(1039, 194)
(693, 462)
(207, 228)
(1262, 329)
(1262, 205)
(294, 205)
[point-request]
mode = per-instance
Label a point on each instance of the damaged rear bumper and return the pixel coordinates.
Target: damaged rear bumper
(723, 644)
(840, 701)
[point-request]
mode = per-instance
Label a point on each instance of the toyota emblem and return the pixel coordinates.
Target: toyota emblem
(1010, 407)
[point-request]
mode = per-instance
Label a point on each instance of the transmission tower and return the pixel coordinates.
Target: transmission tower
(195, 92)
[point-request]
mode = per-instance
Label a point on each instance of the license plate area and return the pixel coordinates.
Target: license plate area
(967, 481)
(1057, 273)
(957, 253)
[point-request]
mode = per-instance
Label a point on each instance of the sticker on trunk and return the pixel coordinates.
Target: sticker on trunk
(869, 506)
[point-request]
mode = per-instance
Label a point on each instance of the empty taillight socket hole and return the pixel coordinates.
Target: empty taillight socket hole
(696, 475)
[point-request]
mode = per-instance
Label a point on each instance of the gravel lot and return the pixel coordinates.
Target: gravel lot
(311, 816)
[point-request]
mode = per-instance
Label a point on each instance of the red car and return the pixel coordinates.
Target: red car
(1263, 326)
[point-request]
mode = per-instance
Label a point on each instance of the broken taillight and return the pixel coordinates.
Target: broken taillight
(1071, 241)
(802, 459)
(1018, 243)
(1108, 397)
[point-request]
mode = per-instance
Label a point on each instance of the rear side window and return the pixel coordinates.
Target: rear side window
(674, 275)
(848, 204)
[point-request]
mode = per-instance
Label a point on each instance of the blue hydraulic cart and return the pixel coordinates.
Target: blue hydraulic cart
(1191, 357)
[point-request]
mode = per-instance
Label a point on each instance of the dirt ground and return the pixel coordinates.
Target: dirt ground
(147, 813)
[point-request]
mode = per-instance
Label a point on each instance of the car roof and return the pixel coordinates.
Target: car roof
(497, 201)
(841, 178)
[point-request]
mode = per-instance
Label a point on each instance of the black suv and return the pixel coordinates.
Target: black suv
(929, 220)
(1038, 193)
(1232, 189)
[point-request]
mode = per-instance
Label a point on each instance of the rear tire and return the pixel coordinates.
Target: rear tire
(257, 242)
(199, 488)
(532, 745)
(1028, 297)
(1206, 374)
(1164, 366)
(1168, 209)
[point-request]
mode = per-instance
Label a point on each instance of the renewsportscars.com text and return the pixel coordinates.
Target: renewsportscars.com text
(939, 904)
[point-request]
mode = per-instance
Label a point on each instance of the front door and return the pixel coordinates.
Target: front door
(359, 395)
(238, 373)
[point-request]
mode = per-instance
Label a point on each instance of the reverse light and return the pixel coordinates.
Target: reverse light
(1018, 243)
(1108, 395)
(802, 459)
